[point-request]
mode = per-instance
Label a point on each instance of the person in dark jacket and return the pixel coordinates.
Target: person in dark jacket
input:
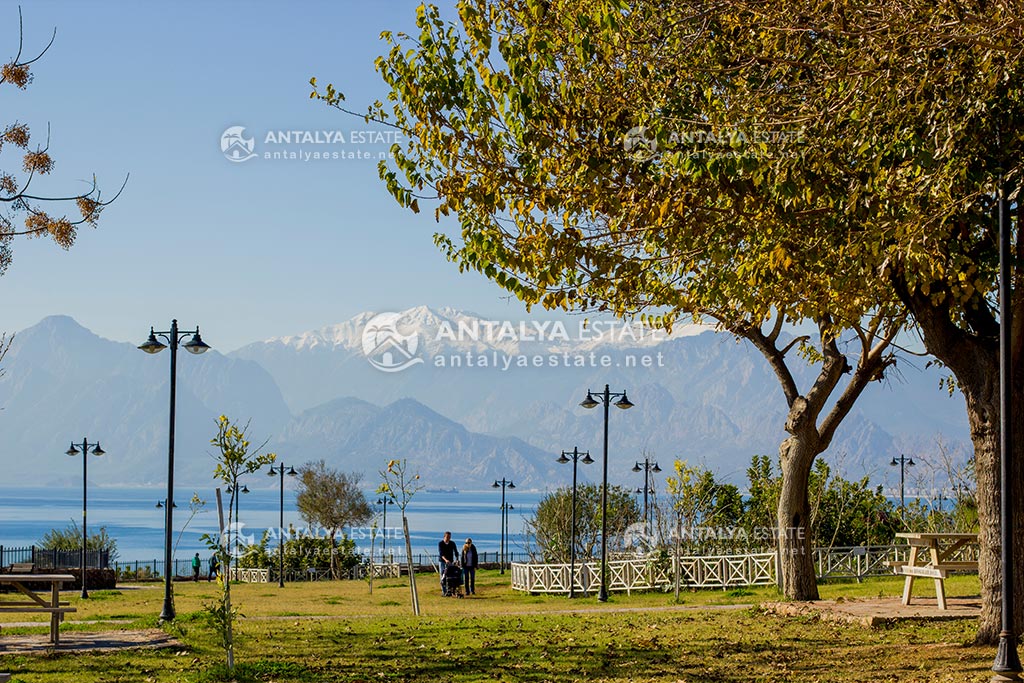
(470, 560)
(446, 550)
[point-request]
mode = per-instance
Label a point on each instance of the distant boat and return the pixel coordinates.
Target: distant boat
(448, 490)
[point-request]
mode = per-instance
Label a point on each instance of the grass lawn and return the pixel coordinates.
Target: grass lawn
(338, 631)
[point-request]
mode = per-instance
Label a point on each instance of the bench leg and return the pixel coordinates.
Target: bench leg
(908, 584)
(55, 616)
(908, 587)
(940, 584)
(940, 593)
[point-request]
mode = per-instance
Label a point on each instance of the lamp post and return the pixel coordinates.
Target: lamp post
(385, 501)
(646, 467)
(196, 346)
(903, 463)
(279, 471)
(507, 507)
(236, 492)
(605, 397)
(501, 524)
(575, 457)
(1007, 663)
(96, 450)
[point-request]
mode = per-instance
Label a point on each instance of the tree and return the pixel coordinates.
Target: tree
(331, 499)
(235, 457)
(401, 484)
(708, 513)
(23, 211)
(550, 527)
(516, 121)
(70, 539)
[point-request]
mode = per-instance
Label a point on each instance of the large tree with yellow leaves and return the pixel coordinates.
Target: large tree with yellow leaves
(750, 162)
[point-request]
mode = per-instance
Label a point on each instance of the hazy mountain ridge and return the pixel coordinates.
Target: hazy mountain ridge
(707, 399)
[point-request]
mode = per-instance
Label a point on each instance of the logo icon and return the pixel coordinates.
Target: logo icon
(235, 146)
(386, 347)
(240, 542)
(636, 536)
(640, 143)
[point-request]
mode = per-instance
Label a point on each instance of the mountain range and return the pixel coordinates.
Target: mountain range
(465, 399)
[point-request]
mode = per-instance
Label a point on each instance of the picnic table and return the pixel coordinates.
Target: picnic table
(46, 602)
(936, 563)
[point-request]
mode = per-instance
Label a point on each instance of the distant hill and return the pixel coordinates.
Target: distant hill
(704, 397)
(711, 399)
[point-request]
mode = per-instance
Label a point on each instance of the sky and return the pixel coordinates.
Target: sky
(247, 251)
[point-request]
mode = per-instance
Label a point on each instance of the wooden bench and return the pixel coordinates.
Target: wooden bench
(937, 563)
(22, 568)
(4, 678)
(37, 602)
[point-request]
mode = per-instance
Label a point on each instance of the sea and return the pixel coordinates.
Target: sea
(131, 518)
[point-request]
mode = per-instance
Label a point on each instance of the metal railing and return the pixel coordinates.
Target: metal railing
(53, 559)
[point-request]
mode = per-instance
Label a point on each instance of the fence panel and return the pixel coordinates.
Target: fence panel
(706, 571)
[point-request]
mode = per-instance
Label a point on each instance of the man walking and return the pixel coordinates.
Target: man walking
(446, 550)
(196, 564)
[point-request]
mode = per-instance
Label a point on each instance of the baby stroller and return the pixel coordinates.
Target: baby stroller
(451, 581)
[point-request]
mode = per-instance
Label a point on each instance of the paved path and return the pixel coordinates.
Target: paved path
(873, 612)
(91, 641)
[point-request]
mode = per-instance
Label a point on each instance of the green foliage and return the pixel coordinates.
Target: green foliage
(848, 513)
(550, 526)
(329, 498)
(714, 518)
(303, 552)
(70, 539)
(233, 460)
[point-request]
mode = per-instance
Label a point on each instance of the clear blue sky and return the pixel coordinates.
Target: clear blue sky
(247, 251)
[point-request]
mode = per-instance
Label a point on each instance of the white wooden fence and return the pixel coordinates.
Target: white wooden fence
(702, 571)
(641, 574)
(249, 575)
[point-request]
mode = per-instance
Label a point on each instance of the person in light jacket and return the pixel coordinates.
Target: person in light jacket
(469, 562)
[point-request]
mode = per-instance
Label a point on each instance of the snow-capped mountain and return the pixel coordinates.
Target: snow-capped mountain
(699, 395)
(464, 398)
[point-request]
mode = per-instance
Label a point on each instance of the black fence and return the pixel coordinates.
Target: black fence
(142, 570)
(42, 558)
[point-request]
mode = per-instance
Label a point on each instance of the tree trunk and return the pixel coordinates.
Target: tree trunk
(412, 569)
(982, 396)
(972, 354)
(796, 561)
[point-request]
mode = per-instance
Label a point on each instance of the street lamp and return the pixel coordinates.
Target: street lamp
(646, 467)
(903, 463)
(605, 397)
(385, 501)
(1007, 663)
(507, 507)
(152, 345)
(96, 450)
(501, 524)
(575, 457)
(280, 471)
(237, 527)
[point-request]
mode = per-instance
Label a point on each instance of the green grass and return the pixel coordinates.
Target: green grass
(337, 631)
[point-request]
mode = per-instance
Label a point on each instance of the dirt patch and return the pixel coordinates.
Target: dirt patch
(88, 641)
(872, 612)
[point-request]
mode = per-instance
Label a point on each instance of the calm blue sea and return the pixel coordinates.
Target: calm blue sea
(131, 517)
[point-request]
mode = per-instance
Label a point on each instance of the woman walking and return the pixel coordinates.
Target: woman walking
(469, 563)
